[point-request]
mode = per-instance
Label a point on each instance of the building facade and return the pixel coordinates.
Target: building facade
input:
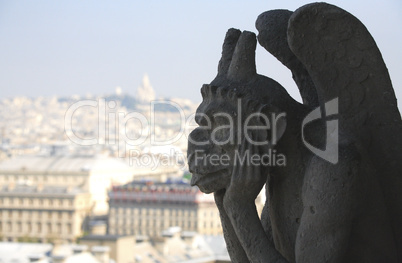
(140, 208)
(91, 173)
(42, 214)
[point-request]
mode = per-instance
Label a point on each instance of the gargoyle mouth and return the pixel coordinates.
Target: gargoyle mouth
(208, 178)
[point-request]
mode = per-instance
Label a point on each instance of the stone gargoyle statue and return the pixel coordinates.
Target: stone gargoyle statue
(334, 192)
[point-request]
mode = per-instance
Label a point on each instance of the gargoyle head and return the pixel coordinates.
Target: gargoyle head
(238, 104)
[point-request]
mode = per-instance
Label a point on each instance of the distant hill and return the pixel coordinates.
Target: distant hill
(131, 103)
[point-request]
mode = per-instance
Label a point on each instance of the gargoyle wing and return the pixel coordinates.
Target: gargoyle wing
(344, 62)
(332, 55)
(272, 27)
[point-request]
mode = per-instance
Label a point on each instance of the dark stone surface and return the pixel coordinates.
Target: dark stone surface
(343, 204)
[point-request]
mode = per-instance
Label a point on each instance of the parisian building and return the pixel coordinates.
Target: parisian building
(42, 213)
(148, 208)
(92, 173)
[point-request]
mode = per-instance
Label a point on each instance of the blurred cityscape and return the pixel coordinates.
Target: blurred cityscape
(102, 179)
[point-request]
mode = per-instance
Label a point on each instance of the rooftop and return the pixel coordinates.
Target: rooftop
(156, 186)
(22, 252)
(105, 237)
(40, 190)
(138, 191)
(65, 163)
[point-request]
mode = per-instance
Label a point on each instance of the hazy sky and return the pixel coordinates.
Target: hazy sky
(78, 47)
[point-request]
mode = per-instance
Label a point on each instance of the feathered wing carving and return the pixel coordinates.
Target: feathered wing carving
(272, 27)
(344, 61)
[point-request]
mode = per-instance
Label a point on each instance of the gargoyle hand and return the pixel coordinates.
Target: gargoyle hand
(249, 174)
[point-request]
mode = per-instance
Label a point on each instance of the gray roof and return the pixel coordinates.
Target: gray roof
(21, 252)
(104, 237)
(45, 190)
(67, 163)
(45, 253)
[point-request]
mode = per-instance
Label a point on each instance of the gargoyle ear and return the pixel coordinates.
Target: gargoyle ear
(242, 66)
(276, 122)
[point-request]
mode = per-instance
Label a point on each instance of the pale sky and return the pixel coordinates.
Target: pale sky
(78, 47)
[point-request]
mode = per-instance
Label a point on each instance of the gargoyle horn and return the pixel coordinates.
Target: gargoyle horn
(242, 67)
